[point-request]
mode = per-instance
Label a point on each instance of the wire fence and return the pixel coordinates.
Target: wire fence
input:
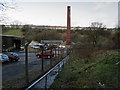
(29, 68)
(47, 79)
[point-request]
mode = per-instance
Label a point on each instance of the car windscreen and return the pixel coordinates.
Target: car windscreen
(15, 54)
(4, 55)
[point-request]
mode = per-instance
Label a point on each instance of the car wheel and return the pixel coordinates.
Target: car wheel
(38, 56)
(16, 60)
(10, 60)
(49, 56)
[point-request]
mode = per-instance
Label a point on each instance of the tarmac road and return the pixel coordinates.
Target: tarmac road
(11, 70)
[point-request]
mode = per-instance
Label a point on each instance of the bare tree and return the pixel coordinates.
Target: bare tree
(3, 7)
(7, 5)
(97, 28)
(97, 25)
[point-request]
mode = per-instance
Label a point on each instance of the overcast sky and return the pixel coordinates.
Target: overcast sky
(55, 13)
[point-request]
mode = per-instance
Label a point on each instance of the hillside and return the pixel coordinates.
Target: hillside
(100, 72)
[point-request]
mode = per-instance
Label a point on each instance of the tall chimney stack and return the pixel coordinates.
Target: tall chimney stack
(68, 41)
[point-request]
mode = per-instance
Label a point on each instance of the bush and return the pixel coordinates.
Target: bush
(84, 51)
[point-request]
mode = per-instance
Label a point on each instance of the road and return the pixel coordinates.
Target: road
(12, 70)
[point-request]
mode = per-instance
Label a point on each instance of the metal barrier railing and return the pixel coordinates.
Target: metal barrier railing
(59, 66)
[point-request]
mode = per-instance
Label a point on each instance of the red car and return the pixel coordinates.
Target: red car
(46, 54)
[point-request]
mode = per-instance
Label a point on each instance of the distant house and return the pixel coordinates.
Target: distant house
(34, 43)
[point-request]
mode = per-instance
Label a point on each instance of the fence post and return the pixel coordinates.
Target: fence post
(46, 82)
(42, 60)
(51, 59)
(61, 52)
(118, 77)
(58, 68)
(63, 64)
(58, 53)
(67, 51)
(55, 52)
(26, 62)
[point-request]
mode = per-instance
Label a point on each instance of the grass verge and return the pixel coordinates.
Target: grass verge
(100, 72)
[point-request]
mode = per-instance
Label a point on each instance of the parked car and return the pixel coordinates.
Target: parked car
(36, 46)
(22, 47)
(53, 46)
(46, 54)
(3, 57)
(61, 46)
(59, 49)
(13, 56)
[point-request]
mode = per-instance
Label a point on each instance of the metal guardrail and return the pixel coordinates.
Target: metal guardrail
(45, 75)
